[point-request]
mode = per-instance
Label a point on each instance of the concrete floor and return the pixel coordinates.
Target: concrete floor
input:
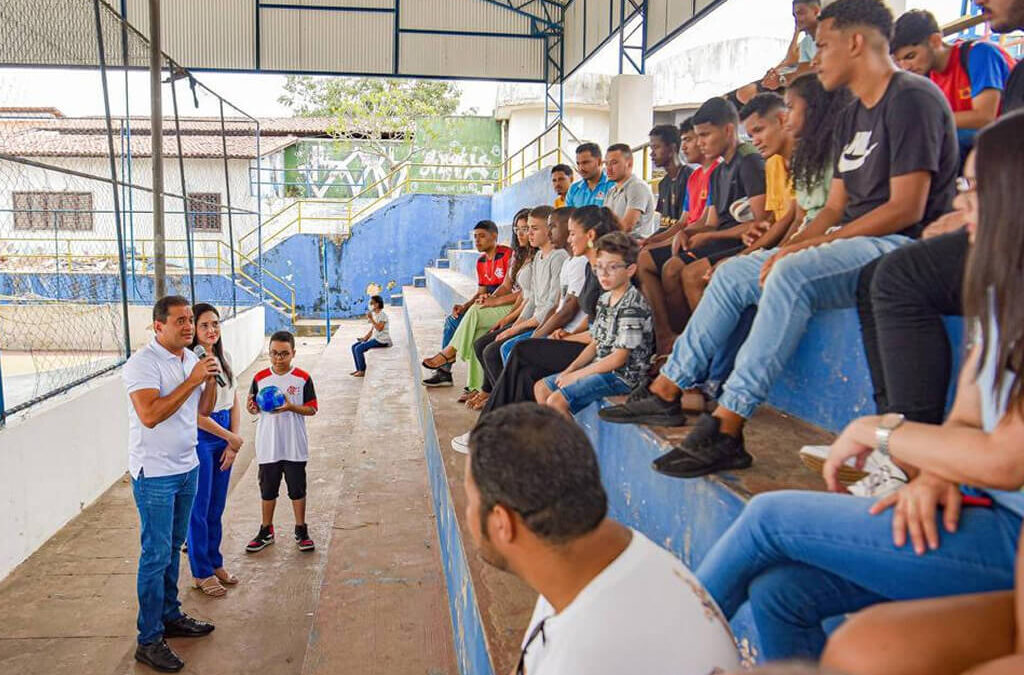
(371, 599)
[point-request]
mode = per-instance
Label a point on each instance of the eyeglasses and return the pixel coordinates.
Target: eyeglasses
(279, 355)
(609, 268)
(538, 630)
(965, 185)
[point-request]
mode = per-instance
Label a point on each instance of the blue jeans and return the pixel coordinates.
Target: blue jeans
(592, 388)
(725, 358)
(359, 350)
(164, 505)
(451, 324)
(204, 528)
(507, 345)
(812, 280)
(803, 557)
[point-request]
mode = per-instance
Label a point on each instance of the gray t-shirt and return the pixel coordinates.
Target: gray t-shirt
(546, 289)
(633, 193)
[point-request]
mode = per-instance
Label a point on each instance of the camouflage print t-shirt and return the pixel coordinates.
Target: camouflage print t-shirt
(625, 325)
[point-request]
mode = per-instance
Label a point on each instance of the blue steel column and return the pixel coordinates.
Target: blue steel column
(633, 41)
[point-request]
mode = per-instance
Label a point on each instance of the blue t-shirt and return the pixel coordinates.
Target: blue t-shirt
(987, 67)
(580, 193)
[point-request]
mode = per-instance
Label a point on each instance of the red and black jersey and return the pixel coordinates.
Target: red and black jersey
(491, 273)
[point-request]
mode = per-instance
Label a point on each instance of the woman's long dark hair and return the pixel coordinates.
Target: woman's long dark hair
(598, 219)
(524, 253)
(996, 262)
(812, 154)
(218, 346)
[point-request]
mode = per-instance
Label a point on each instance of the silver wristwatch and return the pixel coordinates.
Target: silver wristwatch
(890, 423)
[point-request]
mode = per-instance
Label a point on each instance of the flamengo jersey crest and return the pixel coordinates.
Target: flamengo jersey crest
(857, 152)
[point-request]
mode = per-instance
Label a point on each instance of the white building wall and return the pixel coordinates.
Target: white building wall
(201, 175)
(57, 457)
(526, 123)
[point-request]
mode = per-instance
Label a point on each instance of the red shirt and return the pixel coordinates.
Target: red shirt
(955, 82)
(698, 188)
(491, 273)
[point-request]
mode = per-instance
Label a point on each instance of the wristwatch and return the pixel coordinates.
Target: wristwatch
(890, 423)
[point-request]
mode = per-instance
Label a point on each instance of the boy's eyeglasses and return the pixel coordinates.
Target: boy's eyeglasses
(965, 185)
(538, 630)
(609, 268)
(279, 355)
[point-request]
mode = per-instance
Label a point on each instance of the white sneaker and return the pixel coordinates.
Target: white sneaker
(883, 481)
(461, 443)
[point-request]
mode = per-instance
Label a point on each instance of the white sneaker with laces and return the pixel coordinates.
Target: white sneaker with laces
(883, 481)
(461, 443)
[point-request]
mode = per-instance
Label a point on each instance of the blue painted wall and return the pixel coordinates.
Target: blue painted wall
(388, 249)
(534, 191)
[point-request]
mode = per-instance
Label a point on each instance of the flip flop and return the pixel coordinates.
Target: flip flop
(210, 586)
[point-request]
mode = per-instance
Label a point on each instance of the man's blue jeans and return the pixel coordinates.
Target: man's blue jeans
(451, 324)
(507, 345)
(812, 280)
(164, 505)
(803, 557)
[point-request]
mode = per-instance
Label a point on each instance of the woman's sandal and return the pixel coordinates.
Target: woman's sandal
(479, 402)
(444, 361)
(226, 577)
(210, 586)
(466, 395)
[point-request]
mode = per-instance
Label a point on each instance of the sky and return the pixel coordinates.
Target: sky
(77, 92)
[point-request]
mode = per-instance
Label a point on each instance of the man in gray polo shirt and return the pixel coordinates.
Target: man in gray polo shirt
(631, 200)
(169, 387)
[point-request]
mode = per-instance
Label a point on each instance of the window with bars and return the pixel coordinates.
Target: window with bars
(204, 208)
(70, 211)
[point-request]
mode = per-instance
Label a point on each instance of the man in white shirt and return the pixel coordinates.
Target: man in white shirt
(631, 199)
(611, 601)
(169, 387)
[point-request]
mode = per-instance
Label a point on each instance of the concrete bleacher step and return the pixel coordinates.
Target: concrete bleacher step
(419, 282)
(442, 263)
(395, 300)
(314, 327)
(492, 607)
(463, 261)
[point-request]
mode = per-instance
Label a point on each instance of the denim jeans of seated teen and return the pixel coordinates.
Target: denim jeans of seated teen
(359, 350)
(451, 324)
(800, 558)
(591, 388)
(164, 504)
(812, 280)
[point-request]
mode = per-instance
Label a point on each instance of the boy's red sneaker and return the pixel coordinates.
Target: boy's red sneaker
(302, 539)
(263, 539)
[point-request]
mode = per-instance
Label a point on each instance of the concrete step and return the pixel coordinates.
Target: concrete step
(442, 264)
(395, 300)
(449, 287)
(419, 282)
(314, 327)
(493, 607)
(463, 261)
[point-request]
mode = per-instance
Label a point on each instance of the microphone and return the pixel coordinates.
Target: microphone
(200, 351)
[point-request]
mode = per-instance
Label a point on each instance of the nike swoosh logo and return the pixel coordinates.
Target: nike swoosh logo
(848, 162)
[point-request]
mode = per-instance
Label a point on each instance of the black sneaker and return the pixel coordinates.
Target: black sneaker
(440, 378)
(302, 539)
(159, 656)
(263, 539)
(186, 626)
(643, 407)
(706, 450)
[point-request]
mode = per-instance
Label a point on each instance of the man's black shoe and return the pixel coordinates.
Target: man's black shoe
(159, 656)
(706, 450)
(643, 407)
(440, 378)
(186, 626)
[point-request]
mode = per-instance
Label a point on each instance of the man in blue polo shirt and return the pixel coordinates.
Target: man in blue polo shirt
(594, 185)
(169, 387)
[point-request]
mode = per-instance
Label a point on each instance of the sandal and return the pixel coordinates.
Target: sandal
(468, 394)
(445, 361)
(225, 577)
(210, 586)
(471, 399)
(479, 402)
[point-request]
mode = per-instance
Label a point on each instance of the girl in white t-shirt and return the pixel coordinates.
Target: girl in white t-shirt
(218, 446)
(378, 337)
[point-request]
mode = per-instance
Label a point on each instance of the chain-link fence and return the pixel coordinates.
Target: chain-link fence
(80, 249)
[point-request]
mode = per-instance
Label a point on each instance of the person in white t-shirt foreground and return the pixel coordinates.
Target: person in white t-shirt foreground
(169, 387)
(611, 601)
(218, 446)
(282, 446)
(377, 337)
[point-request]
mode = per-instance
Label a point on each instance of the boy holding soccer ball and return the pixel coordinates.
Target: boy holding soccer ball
(282, 447)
